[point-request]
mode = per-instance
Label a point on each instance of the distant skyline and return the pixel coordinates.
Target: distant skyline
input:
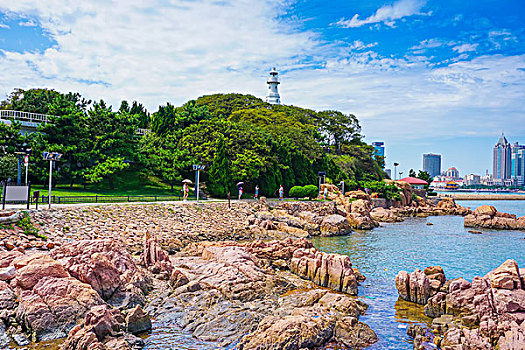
(443, 77)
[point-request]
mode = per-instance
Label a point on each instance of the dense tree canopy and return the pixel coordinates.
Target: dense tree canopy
(238, 137)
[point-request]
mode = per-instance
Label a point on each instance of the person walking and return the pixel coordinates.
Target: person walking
(256, 196)
(240, 192)
(185, 191)
(325, 192)
(281, 192)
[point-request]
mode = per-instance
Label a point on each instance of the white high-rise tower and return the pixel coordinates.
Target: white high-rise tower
(273, 93)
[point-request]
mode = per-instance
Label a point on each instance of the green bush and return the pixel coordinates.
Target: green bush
(310, 191)
(380, 187)
(297, 192)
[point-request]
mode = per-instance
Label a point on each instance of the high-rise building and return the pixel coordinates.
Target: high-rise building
(517, 163)
(501, 157)
(273, 92)
(432, 164)
(379, 150)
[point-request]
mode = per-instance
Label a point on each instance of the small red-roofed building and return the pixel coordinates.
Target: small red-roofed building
(416, 183)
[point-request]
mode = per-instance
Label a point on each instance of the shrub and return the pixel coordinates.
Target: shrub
(310, 191)
(297, 192)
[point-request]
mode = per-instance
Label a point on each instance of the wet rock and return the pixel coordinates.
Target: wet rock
(327, 270)
(414, 287)
(137, 321)
(354, 334)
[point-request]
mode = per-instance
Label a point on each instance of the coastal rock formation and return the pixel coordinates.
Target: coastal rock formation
(108, 268)
(335, 225)
(487, 216)
(155, 258)
(49, 293)
(246, 292)
(384, 215)
(103, 330)
(326, 270)
(359, 216)
(491, 307)
(419, 286)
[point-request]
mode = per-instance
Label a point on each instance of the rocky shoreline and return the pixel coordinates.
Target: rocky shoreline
(244, 276)
(487, 313)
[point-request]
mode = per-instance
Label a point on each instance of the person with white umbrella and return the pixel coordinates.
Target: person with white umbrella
(239, 184)
(185, 189)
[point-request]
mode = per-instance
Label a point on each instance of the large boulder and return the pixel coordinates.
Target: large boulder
(108, 268)
(327, 270)
(506, 276)
(335, 225)
(53, 306)
(414, 287)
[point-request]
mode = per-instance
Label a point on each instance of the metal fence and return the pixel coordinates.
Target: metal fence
(106, 199)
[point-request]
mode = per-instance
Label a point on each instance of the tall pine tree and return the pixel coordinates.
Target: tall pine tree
(220, 178)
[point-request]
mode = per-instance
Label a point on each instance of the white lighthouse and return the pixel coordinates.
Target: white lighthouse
(273, 93)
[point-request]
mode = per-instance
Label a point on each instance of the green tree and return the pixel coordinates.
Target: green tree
(220, 179)
(338, 128)
(169, 119)
(111, 145)
(412, 173)
(8, 166)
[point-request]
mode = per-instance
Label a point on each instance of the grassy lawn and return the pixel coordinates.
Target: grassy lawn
(131, 184)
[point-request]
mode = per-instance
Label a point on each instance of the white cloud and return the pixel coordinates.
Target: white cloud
(465, 48)
(359, 45)
(5, 26)
(387, 14)
(428, 44)
(28, 23)
(500, 38)
(129, 50)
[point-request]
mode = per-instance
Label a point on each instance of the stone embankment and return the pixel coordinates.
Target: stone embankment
(487, 313)
(487, 216)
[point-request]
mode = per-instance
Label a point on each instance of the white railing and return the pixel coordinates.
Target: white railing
(6, 114)
(24, 116)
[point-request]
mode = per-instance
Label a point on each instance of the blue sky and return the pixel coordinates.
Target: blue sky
(423, 76)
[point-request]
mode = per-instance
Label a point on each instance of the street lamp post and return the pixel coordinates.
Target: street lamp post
(197, 169)
(51, 157)
(395, 170)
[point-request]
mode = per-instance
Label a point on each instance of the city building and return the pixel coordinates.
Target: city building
(517, 163)
(379, 150)
(273, 92)
(432, 164)
(472, 179)
(501, 157)
(389, 172)
(452, 173)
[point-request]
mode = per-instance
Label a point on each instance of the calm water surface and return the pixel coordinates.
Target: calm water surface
(381, 253)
